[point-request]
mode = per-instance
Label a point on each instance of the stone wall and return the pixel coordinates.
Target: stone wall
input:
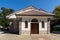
(41, 30)
(14, 28)
(25, 31)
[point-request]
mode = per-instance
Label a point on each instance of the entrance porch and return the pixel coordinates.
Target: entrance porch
(34, 26)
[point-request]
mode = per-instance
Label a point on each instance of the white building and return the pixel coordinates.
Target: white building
(30, 21)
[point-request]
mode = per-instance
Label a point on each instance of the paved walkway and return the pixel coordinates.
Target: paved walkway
(40, 37)
(30, 37)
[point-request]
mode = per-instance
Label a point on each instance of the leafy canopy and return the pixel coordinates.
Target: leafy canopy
(3, 20)
(57, 13)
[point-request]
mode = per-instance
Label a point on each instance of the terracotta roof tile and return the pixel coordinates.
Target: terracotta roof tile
(33, 12)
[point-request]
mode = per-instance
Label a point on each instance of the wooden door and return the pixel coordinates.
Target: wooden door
(34, 28)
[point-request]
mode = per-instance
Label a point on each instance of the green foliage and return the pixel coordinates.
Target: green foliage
(57, 13)
(3, 20)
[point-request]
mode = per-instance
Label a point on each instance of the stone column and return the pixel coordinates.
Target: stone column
(20, 25)
(20, 28)
(14, 25)
(40, 25)
(48, 27)
(29, 27)
(11, 27)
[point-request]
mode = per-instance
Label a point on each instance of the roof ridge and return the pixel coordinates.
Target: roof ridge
(29, 7)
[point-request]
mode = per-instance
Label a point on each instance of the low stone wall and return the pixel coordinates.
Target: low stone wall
(40, 32)
(25, 32)
(43, 32)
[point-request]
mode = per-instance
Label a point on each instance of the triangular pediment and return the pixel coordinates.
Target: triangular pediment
(30, 11)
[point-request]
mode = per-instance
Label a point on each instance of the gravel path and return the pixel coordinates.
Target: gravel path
(30, 37)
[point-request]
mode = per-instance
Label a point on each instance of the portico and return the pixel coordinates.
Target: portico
(35, 25)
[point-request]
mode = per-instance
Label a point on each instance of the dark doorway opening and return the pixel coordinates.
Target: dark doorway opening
(34, 26)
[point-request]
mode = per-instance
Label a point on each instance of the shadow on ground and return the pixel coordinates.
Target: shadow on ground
(56, 32)
(6, 31)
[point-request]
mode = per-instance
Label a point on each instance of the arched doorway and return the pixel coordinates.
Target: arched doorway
(34, 26)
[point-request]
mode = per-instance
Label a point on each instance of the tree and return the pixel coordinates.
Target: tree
(57, 11)
(6, 11)
(3, 20)
(56, 21)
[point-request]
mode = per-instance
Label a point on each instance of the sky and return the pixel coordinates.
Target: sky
(47, 5)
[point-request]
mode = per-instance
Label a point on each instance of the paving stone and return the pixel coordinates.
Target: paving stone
(30, 37)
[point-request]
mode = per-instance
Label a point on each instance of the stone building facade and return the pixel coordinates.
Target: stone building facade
(30, 21)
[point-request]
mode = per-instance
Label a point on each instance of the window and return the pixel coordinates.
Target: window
(42, 24)
(26, 24)
(48, 19)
